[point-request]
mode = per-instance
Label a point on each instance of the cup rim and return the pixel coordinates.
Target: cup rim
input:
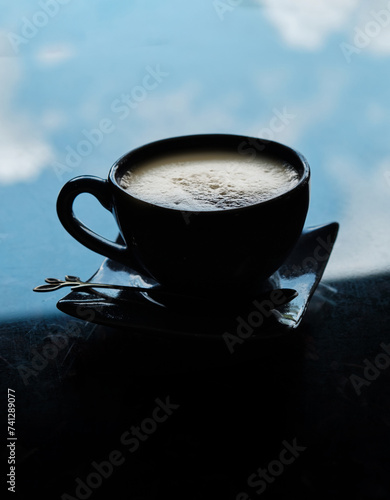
(274, 146)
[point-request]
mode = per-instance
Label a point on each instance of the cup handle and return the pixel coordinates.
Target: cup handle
(100, 189)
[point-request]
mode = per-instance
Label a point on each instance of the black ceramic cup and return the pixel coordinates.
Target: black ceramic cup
(225, 252)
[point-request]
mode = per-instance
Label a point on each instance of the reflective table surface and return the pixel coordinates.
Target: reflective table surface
(105, 412)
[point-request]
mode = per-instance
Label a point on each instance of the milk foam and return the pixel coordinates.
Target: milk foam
(209, 181)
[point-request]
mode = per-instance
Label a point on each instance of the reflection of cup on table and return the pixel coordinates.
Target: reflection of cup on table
(197, 215)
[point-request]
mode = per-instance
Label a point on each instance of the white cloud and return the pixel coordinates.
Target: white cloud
(54, 54)
(306, 23)
(363, 242)
(21, 158)
(373, 21)
(381, 44)
(23, 153)
(53, 119)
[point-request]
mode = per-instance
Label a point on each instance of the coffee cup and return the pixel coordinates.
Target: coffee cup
(224, 244)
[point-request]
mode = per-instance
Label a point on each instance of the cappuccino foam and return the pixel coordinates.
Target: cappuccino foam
(202, 181)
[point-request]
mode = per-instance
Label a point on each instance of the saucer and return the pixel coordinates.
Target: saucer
(142, 311)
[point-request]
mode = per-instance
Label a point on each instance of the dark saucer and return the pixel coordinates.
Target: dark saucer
(150, 313)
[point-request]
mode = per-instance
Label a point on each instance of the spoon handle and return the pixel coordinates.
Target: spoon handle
(76, 284)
